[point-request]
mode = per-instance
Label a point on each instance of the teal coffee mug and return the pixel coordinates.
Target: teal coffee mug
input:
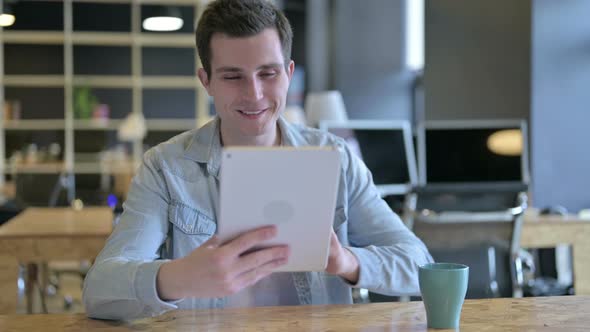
(443, 287)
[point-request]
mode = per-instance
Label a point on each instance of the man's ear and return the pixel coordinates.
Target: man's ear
(202, 74)
(290, 69)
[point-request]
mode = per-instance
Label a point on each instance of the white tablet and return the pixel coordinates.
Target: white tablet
(293, 188)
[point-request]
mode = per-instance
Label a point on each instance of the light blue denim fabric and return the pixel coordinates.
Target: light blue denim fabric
(171, 209)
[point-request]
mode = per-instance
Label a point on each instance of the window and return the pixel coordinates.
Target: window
(415, 34)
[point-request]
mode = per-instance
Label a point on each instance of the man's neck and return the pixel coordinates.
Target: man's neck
(271, 139)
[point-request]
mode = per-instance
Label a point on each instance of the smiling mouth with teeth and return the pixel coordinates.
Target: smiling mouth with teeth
(251, 113)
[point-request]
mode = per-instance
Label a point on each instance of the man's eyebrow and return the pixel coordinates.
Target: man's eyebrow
(229, 69)
(270, 66)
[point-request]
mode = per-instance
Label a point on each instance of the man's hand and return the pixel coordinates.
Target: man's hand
(214, 270)
(342, 262)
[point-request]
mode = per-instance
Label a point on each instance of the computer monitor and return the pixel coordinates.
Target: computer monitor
(473, 152)
(386, 147)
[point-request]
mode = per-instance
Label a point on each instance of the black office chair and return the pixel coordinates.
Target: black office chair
(487, 241)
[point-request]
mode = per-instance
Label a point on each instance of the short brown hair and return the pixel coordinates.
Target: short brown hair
(241, 18)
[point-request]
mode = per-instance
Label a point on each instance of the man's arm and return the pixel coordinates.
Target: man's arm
(129, 279)
(387, 252)
(122, 282)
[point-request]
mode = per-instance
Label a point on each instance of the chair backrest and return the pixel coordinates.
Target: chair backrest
(489, 242)
(488, 247)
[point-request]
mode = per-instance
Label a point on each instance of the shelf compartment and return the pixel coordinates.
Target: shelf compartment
(28, 17)
(92, 143)
(119, 100)
(93, 16)
(171, 104)
(38, 103)
(154, 138)
(168, 61)
(33, 59)
(20, 140)
(102, 60)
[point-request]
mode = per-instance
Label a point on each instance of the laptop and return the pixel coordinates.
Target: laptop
(292, 188)
(386, 148)
(472, 165)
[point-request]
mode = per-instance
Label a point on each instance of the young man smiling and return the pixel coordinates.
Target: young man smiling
(163, 254)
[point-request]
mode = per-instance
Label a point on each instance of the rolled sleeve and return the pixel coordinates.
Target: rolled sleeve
(367, 267)
(146, 289)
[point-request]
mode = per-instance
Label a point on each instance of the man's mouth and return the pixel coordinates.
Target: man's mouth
(252, 113)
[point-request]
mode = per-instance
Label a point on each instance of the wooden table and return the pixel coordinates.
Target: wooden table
(526, 314)
(541, 231)
(44, 234)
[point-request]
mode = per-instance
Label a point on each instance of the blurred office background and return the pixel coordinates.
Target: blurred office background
(87, 87)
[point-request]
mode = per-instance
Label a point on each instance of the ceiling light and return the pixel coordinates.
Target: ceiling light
(164, 19)
(7, 18)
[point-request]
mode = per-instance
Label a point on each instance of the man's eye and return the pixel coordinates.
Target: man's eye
(271, 74)
(231, 78)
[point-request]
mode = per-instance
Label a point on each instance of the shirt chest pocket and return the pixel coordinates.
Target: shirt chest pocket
(191, 221)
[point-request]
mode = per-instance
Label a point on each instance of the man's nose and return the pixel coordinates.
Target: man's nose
(253, 89)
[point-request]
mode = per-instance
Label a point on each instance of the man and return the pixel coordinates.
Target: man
(163, 254)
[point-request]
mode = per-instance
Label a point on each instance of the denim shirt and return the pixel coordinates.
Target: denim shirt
(171, 209)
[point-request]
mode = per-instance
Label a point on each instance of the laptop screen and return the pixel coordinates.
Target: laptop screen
(475, 155)
(385, 147)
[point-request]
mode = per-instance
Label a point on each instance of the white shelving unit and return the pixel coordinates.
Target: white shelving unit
(136, 82)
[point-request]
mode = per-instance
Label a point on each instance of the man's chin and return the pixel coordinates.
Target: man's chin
(254, 129)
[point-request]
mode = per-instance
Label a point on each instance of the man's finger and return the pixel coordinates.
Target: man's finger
(261, 257)
(250, 239)
(251, 277)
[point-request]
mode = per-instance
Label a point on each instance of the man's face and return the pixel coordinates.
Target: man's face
(248, 82)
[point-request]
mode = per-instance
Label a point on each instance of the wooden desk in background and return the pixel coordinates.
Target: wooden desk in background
(44, 234)
(526, 314)
(541, 231)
